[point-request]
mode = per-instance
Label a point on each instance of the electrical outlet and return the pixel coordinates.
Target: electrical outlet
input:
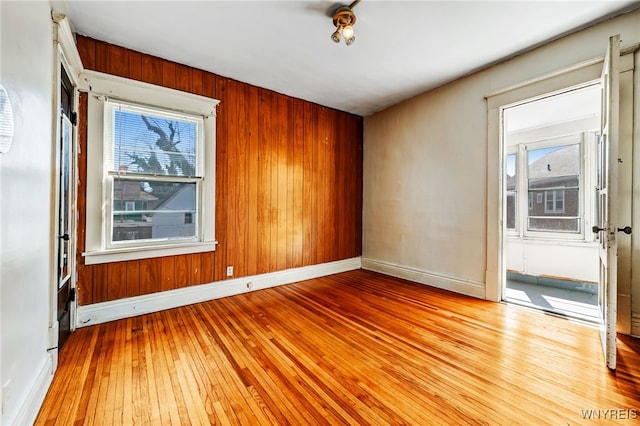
(249, 285)
(229, 271)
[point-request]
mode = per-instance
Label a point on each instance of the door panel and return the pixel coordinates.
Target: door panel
(607, 199)
(65, 211)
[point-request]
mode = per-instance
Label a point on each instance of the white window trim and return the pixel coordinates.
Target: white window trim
(100, 86)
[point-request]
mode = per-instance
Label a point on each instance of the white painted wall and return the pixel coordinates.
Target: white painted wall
(26, 200)
(427, 162)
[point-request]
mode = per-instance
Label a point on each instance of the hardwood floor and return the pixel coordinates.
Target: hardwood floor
(352, 348)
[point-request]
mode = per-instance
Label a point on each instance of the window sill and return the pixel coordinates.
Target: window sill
(135, 253)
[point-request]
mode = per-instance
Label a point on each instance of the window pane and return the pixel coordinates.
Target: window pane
(510, 168)
(510, 172)
(511, 210)
(150, 142)
(555, 224)
(554, 188)
(147, 210)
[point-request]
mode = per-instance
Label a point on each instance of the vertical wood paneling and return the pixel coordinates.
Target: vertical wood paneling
(274, 152)
(99, 278)
(206, 268)
(169, 74)
(309, 207)
(253, 182)
(357, 161)
(119, 61)
(152, 69)
(222, 207)
(263, 241)
(184, 78)
(133, 278)
(85, 285)
(87, 51)
(182, 271)
(290, 166)
(281, 161)
(167, 274)
(241, 178)
(320, 184)
(195, 268)
(102, 58)
(150, 273)
(288, 182)
(197, 82)
(116, 280)
(135, 65)
(297, 186)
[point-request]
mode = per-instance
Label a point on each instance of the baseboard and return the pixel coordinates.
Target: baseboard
(30, 406)
(469, 288)
(635, 325)
(98, 313)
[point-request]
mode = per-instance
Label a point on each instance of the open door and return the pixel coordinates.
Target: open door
(65, 292)
(607, 200)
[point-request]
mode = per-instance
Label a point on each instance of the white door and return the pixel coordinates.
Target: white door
(607, 199)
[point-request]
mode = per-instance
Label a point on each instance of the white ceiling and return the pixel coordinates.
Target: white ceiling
(402, 48)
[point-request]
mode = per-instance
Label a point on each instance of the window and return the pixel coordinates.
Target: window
(152, 161)
(151, 171)
(554, 201)
(554, 174)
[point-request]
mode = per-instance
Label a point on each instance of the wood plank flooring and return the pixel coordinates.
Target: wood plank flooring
(353, 348)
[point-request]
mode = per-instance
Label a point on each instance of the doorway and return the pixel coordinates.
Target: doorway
(65, 201)
(550, 163)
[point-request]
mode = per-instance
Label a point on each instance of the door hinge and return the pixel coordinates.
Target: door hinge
(72, 295)
(74, 118)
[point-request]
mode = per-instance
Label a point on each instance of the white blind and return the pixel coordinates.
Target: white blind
(151, 141)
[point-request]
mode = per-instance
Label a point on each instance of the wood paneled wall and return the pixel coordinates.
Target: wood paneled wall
(288, 182)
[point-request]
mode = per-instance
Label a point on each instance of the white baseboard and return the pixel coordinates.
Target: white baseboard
(469, 288)
(635, 325)
(98, 313)
(30, 406)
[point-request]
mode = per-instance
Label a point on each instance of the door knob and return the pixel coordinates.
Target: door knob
(66, 236)
(596, 229)
(626, 230)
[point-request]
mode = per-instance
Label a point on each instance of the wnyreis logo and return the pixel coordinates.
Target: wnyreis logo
(610, 414)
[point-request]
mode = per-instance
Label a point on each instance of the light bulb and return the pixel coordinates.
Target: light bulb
(350, 41)
(347, 32)
(336, 36)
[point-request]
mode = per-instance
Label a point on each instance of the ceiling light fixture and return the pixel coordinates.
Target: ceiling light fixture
(344, 19)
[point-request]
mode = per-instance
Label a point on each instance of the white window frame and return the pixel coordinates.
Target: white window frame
(101, 87)
(585, 210)
(516, 192)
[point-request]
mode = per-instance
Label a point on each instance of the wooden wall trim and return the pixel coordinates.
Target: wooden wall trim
(288, 182)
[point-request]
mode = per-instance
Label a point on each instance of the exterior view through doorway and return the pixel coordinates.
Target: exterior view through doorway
(551, 163)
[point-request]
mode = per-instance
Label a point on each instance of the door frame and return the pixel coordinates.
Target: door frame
(65, 56)
(579, 75)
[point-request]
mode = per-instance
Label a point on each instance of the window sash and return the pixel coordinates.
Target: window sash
(120, 149)
(150, 232)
